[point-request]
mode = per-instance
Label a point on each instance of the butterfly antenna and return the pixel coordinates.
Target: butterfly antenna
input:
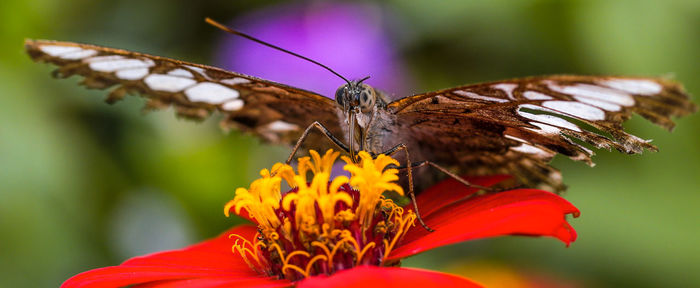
(229, 30)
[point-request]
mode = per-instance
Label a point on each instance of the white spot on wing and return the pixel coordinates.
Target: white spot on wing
(103, 58)
(549, 119)
(55, 50)
(167, 83)
(233, 105)
(132, 74)
(596, 95)
(212, 93)
(555, 176)
(535, 107)
(506, 87)
(534, 95)
(480, 97)
(199, 70)
(576, 109)
(119, 64)
(235, 81)
(78, 54)
(529, 149)
(634, 86)
(445, 100)
(544, 129)
(281, 126)
(588, 151)
(600, 104)
(515, 138)
(181, 72)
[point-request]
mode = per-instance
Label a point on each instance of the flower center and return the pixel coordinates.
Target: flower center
(321, 226)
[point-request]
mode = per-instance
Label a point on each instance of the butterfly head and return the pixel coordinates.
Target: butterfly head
(358, 102)
(356, 97)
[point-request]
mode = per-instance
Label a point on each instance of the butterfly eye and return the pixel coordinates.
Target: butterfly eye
(367, 99)
(340, 95)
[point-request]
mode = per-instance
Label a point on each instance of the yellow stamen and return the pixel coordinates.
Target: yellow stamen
(322, 220)
(325, 249)
(338, 245)
(364, 250)
(371, 178)
(403, 228)
(313, 261)
(244, 251)
(295, 268)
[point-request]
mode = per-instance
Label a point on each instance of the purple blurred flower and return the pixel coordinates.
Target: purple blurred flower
(349, 38)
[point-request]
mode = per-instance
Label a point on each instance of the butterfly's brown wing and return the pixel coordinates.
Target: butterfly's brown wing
(273, 111)
(516, 126)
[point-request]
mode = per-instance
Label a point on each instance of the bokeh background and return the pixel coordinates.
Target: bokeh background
(84, 184)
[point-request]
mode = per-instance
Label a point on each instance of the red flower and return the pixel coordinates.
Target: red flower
(445, 208)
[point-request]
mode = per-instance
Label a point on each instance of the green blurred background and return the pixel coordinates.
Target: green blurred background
(84, 184)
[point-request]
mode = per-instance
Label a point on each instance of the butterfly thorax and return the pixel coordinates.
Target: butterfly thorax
(378, 134)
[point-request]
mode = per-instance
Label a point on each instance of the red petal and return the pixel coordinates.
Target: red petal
(386, 277)
(215, 282)
(516, 212)
(450, 190)
(211, 259)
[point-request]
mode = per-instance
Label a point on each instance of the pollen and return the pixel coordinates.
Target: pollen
(322, 225)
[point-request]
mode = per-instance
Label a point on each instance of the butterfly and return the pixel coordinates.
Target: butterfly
(510, 127)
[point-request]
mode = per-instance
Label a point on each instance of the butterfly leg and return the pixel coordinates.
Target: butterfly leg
(325, 132)
(447, 172)
(411, 193)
